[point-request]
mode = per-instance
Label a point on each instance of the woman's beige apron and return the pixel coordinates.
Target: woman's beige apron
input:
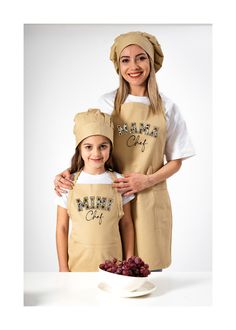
(140, 138)
(95, 211)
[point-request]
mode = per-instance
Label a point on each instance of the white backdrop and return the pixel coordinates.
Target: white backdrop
(66, 69)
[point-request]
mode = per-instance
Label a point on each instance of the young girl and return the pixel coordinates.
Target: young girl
(102, 226)
(151, 140)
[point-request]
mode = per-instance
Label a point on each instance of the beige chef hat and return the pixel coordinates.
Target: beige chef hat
(147, 41)
(92, 122)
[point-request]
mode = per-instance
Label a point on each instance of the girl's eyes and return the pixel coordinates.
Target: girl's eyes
(102, 147)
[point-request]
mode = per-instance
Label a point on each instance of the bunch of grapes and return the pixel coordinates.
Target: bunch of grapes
(134, 266)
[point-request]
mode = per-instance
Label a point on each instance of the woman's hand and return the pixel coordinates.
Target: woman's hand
(131, 183)
(135, 182)
(63, 181)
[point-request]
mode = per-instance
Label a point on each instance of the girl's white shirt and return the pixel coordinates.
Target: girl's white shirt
(86, 178)
(178, 142)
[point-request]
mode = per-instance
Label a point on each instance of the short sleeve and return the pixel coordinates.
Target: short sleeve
(106, 102)
(125, 199)
(178, 142)
(62, 200)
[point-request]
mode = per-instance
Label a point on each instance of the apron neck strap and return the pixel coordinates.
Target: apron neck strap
(77, 175)
(112, 174)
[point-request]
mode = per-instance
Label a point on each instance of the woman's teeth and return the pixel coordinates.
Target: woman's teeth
(135, 74)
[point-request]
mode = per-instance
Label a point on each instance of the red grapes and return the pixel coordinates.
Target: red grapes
(134, 266)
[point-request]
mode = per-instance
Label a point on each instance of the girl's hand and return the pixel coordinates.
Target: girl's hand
(63, 181)
(64, 270)
(131, 183)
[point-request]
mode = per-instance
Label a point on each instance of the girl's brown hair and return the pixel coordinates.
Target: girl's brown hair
(152, 91)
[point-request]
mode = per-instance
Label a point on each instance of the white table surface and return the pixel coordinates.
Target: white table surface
(172, 289)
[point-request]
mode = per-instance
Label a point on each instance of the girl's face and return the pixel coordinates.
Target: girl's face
(95, 151)
(135, 67)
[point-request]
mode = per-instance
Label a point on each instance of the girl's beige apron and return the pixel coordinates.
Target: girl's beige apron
(140, 138)
(95, 211)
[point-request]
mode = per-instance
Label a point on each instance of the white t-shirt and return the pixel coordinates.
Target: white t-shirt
(178, 142)
(86, 178)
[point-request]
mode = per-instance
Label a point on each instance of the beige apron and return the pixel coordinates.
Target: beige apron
(140, 138)
(95, 211)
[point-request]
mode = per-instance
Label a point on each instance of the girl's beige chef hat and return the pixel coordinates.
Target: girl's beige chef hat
(92, 122)
(147, 41)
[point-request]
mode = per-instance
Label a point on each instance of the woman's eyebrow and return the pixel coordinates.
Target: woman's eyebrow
(135, 55)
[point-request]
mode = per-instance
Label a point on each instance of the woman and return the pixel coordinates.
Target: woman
(151, 140)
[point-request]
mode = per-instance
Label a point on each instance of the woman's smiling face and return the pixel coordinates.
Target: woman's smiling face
(134, 66)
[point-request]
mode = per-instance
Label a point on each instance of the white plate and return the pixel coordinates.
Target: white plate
(146, 288)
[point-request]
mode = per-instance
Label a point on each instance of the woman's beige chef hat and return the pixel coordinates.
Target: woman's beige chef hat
(92, 122)
(147, 41)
